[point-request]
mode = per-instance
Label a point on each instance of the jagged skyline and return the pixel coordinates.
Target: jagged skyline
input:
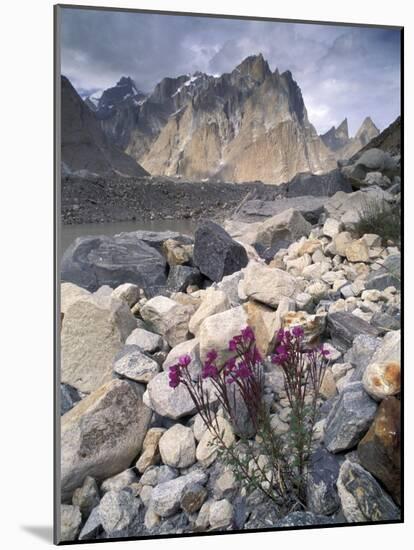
(350, 72)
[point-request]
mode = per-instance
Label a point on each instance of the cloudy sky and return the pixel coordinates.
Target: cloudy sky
(342, 71)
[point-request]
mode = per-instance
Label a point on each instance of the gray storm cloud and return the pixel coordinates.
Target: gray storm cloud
(342, 71)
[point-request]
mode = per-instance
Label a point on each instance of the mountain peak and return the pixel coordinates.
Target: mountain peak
(367, 131)
(255, 66)
(343, 128)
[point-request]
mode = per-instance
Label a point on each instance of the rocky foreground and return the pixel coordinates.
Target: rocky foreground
(136, 458)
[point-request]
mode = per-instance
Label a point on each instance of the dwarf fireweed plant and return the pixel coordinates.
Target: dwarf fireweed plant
(304, 368)
(271, 463)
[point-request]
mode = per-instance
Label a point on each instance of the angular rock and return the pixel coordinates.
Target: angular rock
(214, 301)
(265, 322)
(94, 330)
(215, 253)
(92, 262)
(119, 513)
(286, 226)
(145, 340)
(131, 362)
(168, 318)
(102, 434)
(344, 327)
(349, 419)
(150, 452)
(70, 522)
(166, 401)
(357, 251)
(166, 497)
(225, 485)
(177, 447)
(216, 331)
(380, 450)
(182, 276)
(268, 285)
(86, 497)
(362, 498)
(322, 494)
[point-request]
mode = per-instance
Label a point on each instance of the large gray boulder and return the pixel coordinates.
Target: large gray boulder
(215, 253)
(256, 210)
(93, 331)
(349, 418)
(102, 434)
(91, 262)
(289, 225)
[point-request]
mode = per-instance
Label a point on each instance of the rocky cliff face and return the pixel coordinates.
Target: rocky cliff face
(85, 146)
(250, 124)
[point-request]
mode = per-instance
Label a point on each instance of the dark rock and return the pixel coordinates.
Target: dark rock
(362, 498)
(86, 497)
(182, 276)
(298, 519)
(380, 452)
(216, 254)
(69, 396)
(349, 419)
(92, 262)
(344, 327)
(318, 185)
(388, 275)
(322, 494)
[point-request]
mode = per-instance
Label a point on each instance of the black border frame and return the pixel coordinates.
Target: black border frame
(56, 270)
